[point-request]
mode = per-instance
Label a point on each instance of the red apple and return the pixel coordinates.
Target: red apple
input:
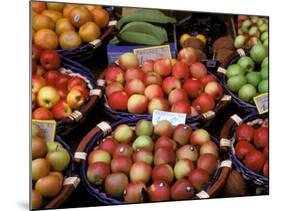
(40, 71)
(207, 78)
(51, 76)
(164, 141)
(99, 155)
(209, 148)
(61, 81)
(74, 81)
(242, 148)
(134, 193)
(187, 55)
(254, 160)
(128, 60)
(121, 164)
(198, 70)
(181, 107)
(97, 172)
(159, 191)
(183, 168)
(42, 114)
(134, 86)
(252, 42)
(208, 162)
(180, 71)
(33, 66)
(33, 100)
(176, 95)
(83, 90)
(62, 93)
(204, 103)
(114, 74)
(36, 52)
(182, 189)
(193, 87)
(265, 151)
(182, 134)
(163, 128)
(47, 97)
(37, 83)
(152, 78)
(163, 67)
(199, 178)
(115, 184)
(199, 137)
(61, 110)
(140, 172)
(108, 144)
(194, 112)
(147, 66)
(153, 91)
(137, 104)
(164, 155)
(158, 104)
(163, 172)
(214, 89)
(265, 169)
(75, 99)
(118, 100)
(261, 137)
(50, 59)
(143, 155)
(187, 152)
(170, 83)
(134, 73)
(113, 87)
(244, 132)
(123, 133)
(123, 149)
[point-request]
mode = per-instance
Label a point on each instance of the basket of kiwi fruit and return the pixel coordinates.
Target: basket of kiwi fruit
(246, 141)
(135, 161)
(52, 170)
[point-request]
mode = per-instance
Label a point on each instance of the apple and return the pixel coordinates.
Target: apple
(180, 71)
(164, 141)
(37, 83)
(265, 151)
(42, 113)
(113, 87)
(59, 159)
(128, 60)
(134, 193)
(198, 70)
(121, 164)
(108, 144)
(261, 137)
(265, 169)
(164, 155)
(33, 66)
(143, 142)
(40, 71)
(163, 67)
(254, 31)
(53, 146)
(75, 99)
(123, 133)
(99, 155)
(83, 90)
(208, 162)
(39, 148)
(123, 149)
(115, 184)
(159, 191)
(140, 172)
(203, 103)
(252, 42)
(51, 76)
(36, 52)
(114, 74)
(61, 110)
(134, 73)
(207, 78)
(137, 104)
(170, 83)
(193, 87)
(144, 127)
(134, 86)
(209, 148)
(254, 160)
(158, 104)
(97, 172)
(153, 91)
(33, 100)
(40, 168)
(242, 148)
(62, 93)
(240, 41)
(181, 107)
(244, 132)
(49, 186)
(163, 128)
(163, 172)
(183, 168)
(143, 155)
(118, 100)
(176, 95)
(147, 66)
(182, 189)
(61, 81)
(152, 78)
(74, 81)
(194, 112)
(199, 137)
(198, 178)
(48, 97)
(187, 152)
(214, 89)
(182, 134)
(187, 55)
(50, 59)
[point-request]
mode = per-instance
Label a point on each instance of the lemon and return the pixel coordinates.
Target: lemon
(183, 38)
(202, 38)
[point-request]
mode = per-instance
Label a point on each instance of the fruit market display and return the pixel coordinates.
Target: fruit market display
(252, 30)
(55, 95)
(248, 77)
(154, 163)
(61, 25)
(139, 27)
(182, 86)
(49, 161)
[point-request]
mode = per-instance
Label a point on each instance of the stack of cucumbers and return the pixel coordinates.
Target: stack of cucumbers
(140, 27)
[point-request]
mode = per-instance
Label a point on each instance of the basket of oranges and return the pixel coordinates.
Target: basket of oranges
(74, 30)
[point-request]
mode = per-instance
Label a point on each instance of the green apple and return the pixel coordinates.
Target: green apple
(264, 36)
(253, 78)
(247, 92)
(59, 159)
(247, 63)
(263, 86)
(53, 146)
(234, 69)
(265, 43)
(264, 73)
(258, 53)
(143, 142)
(144, 127)
(236, 82)
(264, 62)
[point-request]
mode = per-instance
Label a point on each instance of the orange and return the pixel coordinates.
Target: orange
(70, 39)
(89, 31)
(54, 15)
(91, 6)
(38, 6)
(67, 9)
(63, 25)
(46, 38)
(42, 22)
(79, 16)
(100, 16)
(55, 6)
(33, 13)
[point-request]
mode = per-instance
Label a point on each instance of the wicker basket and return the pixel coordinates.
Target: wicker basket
(227, 143)
(93, 138)
(71, 180)
(86, 52)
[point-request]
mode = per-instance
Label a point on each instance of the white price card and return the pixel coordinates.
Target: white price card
(48, 128)
(261, 102)
(174, 118)
(153, 53)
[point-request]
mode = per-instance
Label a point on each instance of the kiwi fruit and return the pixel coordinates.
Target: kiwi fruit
(224, 56)
(200, 55)
(223, 42)
(194, 43)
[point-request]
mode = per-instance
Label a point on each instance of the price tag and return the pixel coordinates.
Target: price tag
(261, 102)
(174, 118)
(48, 128)
(157, 52)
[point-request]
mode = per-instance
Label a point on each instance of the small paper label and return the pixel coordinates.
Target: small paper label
(48, 128)
(174, 118)
(153, 53)
(261, 102)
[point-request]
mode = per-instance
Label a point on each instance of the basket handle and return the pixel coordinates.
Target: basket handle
(223, 103)
(63, 195)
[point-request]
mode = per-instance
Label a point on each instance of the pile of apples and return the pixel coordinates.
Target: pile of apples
(252, 30)
(49, 160)
(66, 25)
(154, 163)
(182, 86)
(54, 94)
(252, 147)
